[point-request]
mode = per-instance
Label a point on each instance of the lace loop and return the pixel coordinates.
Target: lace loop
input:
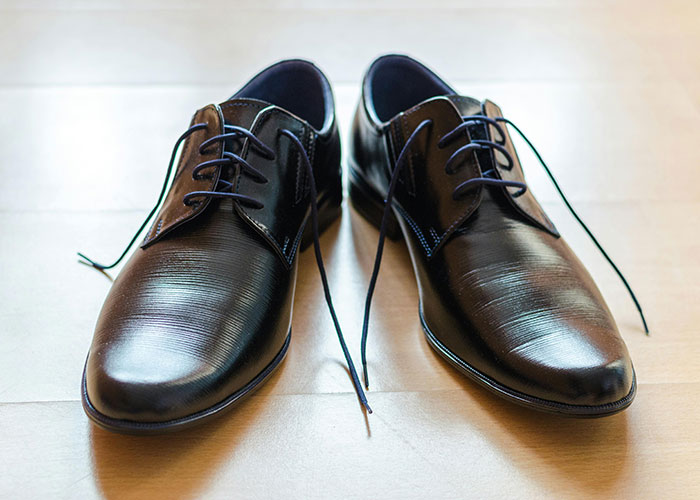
(497, 147)
(207, 164)
(466, 123)
(236, 133)
(486, 181)
(253, 172)
(459, 152)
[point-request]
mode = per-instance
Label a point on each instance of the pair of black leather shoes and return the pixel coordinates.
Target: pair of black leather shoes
(200, 315)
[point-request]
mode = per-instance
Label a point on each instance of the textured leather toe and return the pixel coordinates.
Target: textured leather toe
(516, 304)
(172, 341)
(201, 313)
(502, 296)
(566, 368)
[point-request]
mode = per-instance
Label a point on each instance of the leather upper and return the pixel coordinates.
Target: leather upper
(174, 212)
(205, 305)
(189, 320)
(499, 288)
(286, 193)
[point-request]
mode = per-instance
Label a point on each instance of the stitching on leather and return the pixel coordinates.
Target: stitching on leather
(298, 180)
(476, 170)
(308, 137)
(416, 229)
(463, 99)
(311, 151)
(271, 236)
(410, 182)
(312, 147)
(242, 104)
(433, 233)
(302, 172)
(458, 221)
(293, 250)
(256, 128)
(194, 210)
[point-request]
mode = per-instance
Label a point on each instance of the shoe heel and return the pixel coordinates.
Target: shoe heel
(370, 205)
(328, 211)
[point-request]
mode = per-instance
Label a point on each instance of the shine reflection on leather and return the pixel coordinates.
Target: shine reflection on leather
(502, 296)
(201, 313)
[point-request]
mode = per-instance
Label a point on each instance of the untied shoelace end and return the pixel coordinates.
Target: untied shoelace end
(322, 271)
(89, 262)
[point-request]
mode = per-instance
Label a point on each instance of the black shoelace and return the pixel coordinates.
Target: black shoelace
(488, 178)
(230, 159)
(224, 190)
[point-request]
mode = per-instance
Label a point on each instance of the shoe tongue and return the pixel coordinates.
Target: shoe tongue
(242, 111)
(248, 113)
(460, 106)
(466, 105)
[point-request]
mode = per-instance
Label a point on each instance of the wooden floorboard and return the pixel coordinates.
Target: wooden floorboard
(94, 94)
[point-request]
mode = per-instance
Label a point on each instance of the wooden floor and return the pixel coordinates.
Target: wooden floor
(93, 95)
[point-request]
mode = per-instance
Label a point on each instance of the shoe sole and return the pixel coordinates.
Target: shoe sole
(370, 206)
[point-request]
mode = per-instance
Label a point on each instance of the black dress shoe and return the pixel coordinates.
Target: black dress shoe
(502, 296)
(201, 313)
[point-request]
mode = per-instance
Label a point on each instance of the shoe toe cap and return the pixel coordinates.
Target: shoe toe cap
(575, 368)
(146, 386)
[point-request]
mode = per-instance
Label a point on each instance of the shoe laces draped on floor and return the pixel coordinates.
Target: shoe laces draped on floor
(488, 178)
(224, 190)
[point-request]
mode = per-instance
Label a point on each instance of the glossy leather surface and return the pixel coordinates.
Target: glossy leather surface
(205, 305)
(189, 321)
(286, 193)
(500, 290)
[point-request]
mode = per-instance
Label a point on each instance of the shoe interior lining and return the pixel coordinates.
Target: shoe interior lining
(396, 83)
(296, 86)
